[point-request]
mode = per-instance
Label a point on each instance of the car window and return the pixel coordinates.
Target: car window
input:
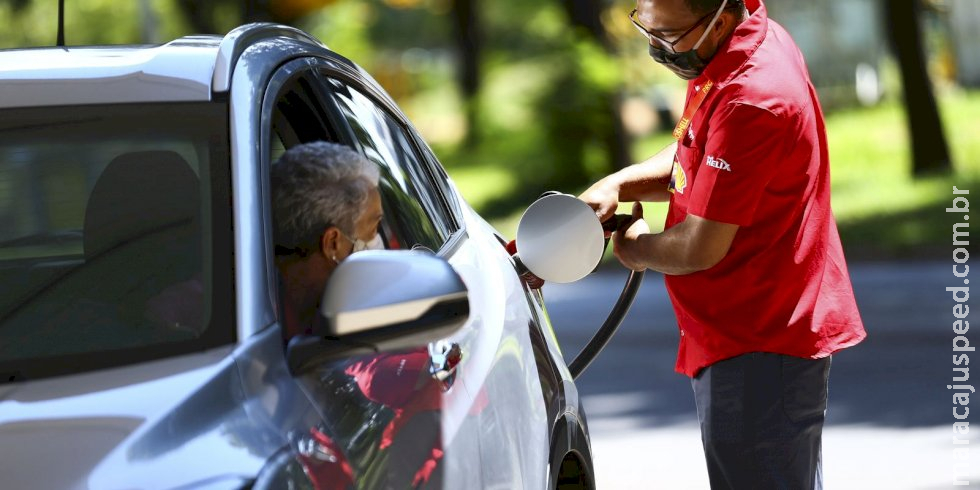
(108, 219)
(414, 212)
(298, 116)
(441, 180)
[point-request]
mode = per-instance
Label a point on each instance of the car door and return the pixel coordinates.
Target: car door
(497, 394)
(381, 413)
(416, 218)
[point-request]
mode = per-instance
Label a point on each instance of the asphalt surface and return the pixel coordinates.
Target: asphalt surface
(889, 420)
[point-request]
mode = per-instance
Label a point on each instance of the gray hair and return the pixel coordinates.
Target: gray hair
(315, 186)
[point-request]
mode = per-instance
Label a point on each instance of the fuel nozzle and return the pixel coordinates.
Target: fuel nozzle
(612, 224)
(532, 281)
(562, 240)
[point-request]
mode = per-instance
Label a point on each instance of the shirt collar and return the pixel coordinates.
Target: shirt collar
(737, 49)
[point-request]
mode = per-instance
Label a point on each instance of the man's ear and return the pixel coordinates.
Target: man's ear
(727, 22)
(330, 243)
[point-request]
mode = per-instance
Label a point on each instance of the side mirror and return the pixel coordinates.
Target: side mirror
(380, 301)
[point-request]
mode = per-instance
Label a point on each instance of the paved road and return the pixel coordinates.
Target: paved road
(889, 421)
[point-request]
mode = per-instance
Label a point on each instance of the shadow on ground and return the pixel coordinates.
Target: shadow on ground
(897, 377)
(921, 233)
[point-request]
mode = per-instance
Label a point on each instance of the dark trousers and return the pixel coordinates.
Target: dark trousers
(761, 420)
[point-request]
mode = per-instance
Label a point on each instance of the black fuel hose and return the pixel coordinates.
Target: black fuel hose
(609, 327)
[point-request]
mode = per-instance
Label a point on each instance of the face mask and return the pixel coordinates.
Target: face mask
(374, 244)
(360, 245)
(686, 64)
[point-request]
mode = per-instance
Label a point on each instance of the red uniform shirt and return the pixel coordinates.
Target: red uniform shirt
(755, 155)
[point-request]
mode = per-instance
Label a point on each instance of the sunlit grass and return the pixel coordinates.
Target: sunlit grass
(870, 160)
(881, 209)
(481, 183)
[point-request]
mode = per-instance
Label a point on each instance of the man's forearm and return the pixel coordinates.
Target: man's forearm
(693, 245)
(668, 253)
(647, 180)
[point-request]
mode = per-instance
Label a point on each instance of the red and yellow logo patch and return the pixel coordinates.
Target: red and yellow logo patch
(678, 179)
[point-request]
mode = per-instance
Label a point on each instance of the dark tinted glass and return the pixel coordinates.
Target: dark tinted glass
(298, 116)
(414, 215)
(114, 234)
(451, 215)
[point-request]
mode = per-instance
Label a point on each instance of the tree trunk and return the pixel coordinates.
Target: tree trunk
(148, 23)
(467, 35)
(199, 15)
(930, 153)
(202, 16)
(258, 11)
(587, 16)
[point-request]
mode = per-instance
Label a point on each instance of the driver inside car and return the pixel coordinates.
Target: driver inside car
(325, 207)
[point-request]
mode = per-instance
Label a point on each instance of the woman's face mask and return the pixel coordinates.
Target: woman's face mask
(374, 244)
(360, 245)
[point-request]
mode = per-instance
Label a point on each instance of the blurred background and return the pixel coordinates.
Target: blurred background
(520, 96)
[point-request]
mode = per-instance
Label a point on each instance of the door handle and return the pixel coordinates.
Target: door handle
(444, 357)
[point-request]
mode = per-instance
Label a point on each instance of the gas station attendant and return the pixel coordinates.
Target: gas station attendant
(750, 251)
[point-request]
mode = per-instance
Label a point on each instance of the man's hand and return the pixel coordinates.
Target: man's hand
(603, 198)
(626, 245)
(645, 181)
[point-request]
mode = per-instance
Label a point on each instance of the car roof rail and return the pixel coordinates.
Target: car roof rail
(239, 39)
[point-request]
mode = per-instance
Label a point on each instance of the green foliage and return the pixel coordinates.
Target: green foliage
(343, 27)
(518, 29)
(169, 23)
(576, 113)
(881, 210)
(86, 22)
(422, 27)
(545, 99)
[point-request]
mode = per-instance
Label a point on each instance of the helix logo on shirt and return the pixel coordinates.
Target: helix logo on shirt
(678, 179)
(719, 163)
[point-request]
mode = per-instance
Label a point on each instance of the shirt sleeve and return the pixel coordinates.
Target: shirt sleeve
(745, 147)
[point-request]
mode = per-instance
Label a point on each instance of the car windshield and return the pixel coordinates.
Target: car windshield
(115, 235)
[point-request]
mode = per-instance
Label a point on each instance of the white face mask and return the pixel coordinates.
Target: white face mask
(374, 244)
(359, 245)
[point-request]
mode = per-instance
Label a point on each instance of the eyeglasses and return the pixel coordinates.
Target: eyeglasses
(663, 42)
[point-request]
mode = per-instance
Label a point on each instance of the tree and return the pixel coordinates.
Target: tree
(586, 16)
(206, 17)
(467, 35)
(930, 152)
(200, 15)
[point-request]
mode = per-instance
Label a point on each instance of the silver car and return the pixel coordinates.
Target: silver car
(140, 339)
